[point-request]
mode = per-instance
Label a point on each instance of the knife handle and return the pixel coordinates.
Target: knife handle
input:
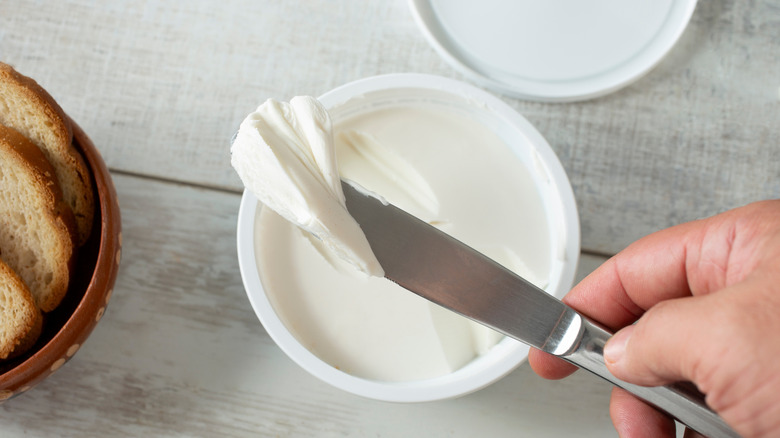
(680, 400)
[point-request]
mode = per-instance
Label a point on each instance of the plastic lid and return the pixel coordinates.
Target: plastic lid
(553, 50)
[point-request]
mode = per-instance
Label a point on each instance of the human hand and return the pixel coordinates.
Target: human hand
(705, 296)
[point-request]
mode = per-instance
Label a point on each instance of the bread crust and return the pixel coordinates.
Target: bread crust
(26, 106)
(21, 320)
(31, 200)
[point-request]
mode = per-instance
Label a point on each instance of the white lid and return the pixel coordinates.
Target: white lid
(553, 50)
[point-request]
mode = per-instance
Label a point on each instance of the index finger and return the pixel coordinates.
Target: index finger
(658, 267)
(688, 259)
(619, 291)
(648, 271)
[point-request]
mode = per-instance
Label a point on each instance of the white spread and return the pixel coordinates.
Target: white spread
(444, 168)
(284, 155)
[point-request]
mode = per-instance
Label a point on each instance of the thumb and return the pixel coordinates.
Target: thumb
(667, 344)
(722, 342)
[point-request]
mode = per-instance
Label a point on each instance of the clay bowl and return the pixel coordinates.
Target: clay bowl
(68, 326)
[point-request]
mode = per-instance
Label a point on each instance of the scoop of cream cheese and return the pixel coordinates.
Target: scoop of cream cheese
(285, 155)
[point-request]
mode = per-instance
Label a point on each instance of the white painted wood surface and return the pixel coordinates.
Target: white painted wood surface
(161, 85)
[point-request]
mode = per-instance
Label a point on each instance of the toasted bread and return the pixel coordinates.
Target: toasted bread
(26, 107)
(37, 228)
(20, 319)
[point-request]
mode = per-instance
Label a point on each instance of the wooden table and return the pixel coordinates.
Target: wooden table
(161, 86)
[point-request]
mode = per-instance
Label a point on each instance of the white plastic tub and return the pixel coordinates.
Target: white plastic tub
(549, 179)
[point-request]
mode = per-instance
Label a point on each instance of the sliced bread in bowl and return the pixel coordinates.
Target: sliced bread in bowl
(20, 319)
(26, 107)
(37, 228)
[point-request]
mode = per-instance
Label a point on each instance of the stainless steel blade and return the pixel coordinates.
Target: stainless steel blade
(430, 263)
(445, 271)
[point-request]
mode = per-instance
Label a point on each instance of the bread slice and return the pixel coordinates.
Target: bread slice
(37, 229)
(20, 319)
(29, 109)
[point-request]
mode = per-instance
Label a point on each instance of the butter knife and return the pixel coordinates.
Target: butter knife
(438, 267)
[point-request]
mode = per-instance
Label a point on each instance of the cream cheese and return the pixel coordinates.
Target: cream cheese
(446, 169)
(284, 155)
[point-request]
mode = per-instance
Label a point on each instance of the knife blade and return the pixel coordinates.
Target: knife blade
(438, 267)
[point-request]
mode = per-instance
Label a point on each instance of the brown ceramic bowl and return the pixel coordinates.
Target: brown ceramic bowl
(68, 326)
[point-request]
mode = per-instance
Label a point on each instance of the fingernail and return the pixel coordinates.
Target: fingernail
(616, 345)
